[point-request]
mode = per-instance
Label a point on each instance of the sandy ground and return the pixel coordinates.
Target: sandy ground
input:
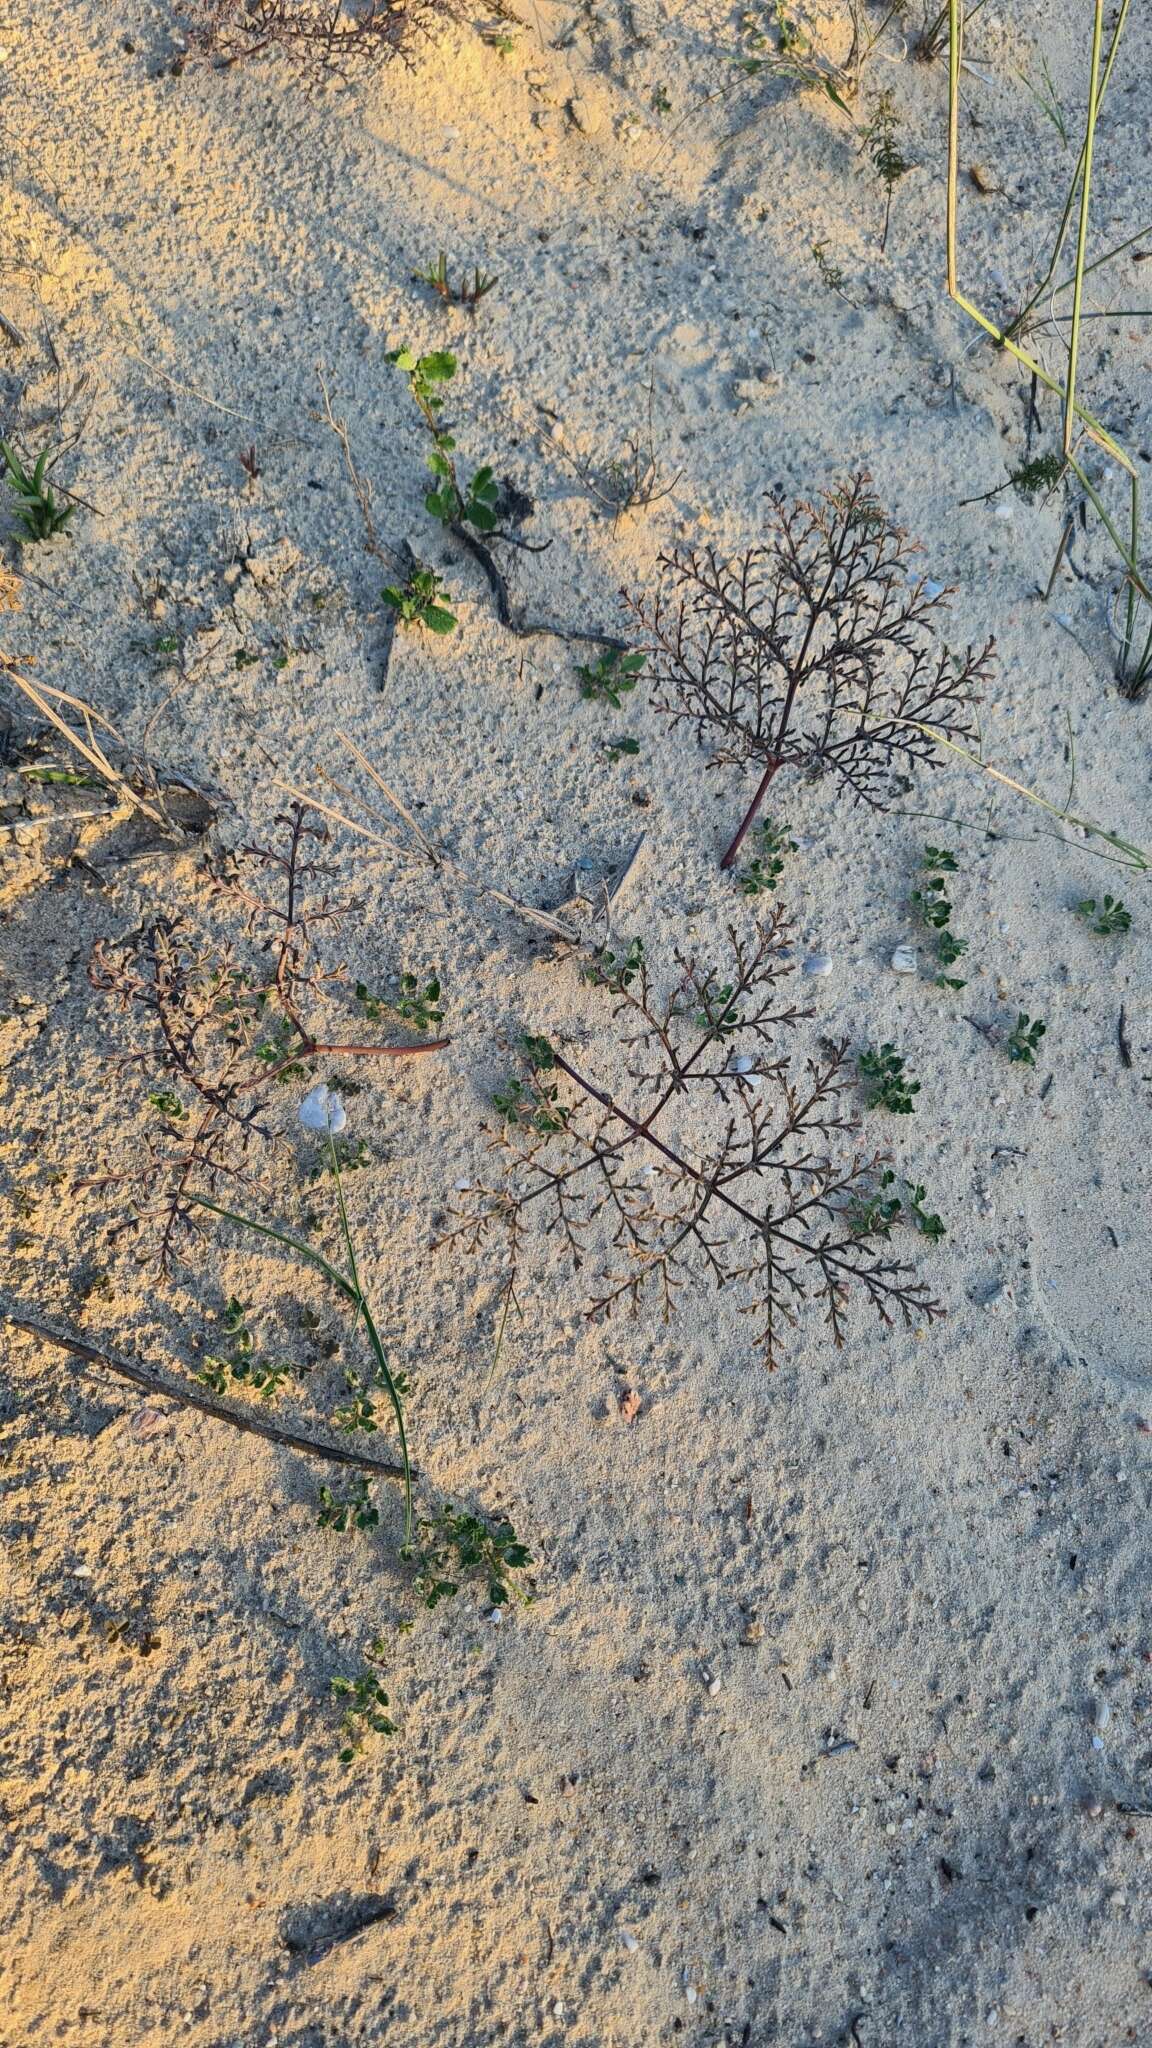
(831, 1721)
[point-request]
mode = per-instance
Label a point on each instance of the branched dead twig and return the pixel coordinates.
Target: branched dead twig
(814, 651)
(731, 1167)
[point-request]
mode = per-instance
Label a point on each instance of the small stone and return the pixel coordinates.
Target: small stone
(817, 963)
(740, 1063)
(1117, 1899)
(628, 1941)
(1102, 1715)
(904, 960)
(753, 1632)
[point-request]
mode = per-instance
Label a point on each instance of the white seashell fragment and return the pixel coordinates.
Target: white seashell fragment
(817, 963)
(322, 1110)
(904, 960)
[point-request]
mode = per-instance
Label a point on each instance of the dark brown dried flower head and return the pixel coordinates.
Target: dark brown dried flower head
(815, 651)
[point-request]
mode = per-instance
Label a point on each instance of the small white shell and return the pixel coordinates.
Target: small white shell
(904, 960)
(322, 1110)
(817, 963)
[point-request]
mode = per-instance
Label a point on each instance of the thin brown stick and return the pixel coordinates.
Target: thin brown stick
(170, 1390)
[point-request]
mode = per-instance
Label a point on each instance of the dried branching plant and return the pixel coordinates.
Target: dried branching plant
(732, 1165)
(332, 34)
(223, 1027)
(815, 651)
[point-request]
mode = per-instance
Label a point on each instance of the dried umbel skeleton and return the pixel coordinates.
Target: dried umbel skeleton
(815, 651)
(222, 1026)
(729, 1165)
(334, 34)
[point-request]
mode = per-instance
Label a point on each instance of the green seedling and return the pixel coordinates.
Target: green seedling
(793, 57)
(831, 274)
(876, 1213)
(343, 1157)
(451, 501)
(610, 677)
(935, 910)
(168, 1104)
(533, 1104)
(1023, 1041)
(1107, 918)
(879, 143)
(351, 1510)
(888, 1085)
(616, 749)
(764, 871)
(616, 971)
(464, 294)
(37, 508)
(241, 1368)
(453, 1547)
(364, 1701)
(421, 602)
(414, 1005)
(1047, 99)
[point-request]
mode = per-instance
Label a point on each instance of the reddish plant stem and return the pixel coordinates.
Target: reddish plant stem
(749, 817)
(312, 1049)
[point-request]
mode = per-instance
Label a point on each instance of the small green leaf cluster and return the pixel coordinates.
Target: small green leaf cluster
(610, 677)
(874, 1215)
(1023, 1041)
(888, 1084)
(241, 1367)
(351, 1510)
(1107, 918)
(935, 910)
(37, 508)
(366, 1700)
(533, 1104)
(615, 971)
(414, 1005)
(454, 1546)
(450, 501)
(421, 601)
(764, 871)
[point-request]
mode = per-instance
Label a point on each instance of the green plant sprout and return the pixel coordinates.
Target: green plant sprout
(879, 143)
(615, 749)
(614, 971)
(241, 1368)
(37, 508)
(765, 869)
(1047, 98)
(347, 1282)
(935, 910)
(1023, 1041)
(610, 677)
(464, 294)
(451, 501)
(876, 1213)
(1107, 918)
(364, 1700)
(831, 274)
(794, 58)
(351, 1510)
(533, 1104)
(454, 1546)
(421, 602)
(888, 1085)
(414, 1005)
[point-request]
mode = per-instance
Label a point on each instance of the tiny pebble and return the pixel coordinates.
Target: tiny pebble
(460, 1185)
(628, 1941)
(1097, 1742)
(1117, 1898)
(713, 1687)
(817, 963)
(904, 960)
(82, 1571)
(1103, 1714)
(932, 588)
(740, 1063)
